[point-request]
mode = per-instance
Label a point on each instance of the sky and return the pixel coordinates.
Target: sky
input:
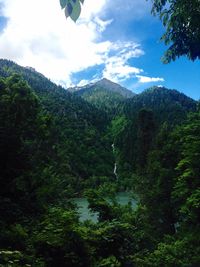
(114, 39)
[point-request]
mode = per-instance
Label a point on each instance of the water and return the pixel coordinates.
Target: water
(115, 165)
(115, 170)
(122, 198)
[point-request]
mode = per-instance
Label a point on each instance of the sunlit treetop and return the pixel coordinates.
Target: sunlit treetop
(72, 8)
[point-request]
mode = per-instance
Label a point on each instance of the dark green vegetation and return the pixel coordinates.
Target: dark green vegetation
(181, 19)
(77, 131)
(103, 94)
(55, 145)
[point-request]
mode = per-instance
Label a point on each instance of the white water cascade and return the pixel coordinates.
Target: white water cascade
(115, 170)
(115, 165)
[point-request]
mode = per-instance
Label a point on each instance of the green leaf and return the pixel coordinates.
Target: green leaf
(63, 3)
(68, 10)
(76, 11)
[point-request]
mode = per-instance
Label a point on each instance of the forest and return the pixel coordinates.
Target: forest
(56, 145)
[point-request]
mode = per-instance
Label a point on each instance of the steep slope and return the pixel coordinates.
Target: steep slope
(104, 94)
(168, 105)
(81, 137)
(82, 151)
(48, 92)
(139, 121)
(53, 144)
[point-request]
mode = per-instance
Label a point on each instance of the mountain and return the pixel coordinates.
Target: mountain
(83, 133)
(104, 94)
(54, 146)
(167, 104)
(143, 116)
(78, 129)
(49, 92)
(104, 84)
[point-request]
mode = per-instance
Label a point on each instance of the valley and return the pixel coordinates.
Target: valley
(66, 152)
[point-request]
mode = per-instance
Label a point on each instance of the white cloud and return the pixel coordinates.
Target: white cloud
(92, 8)
(117, 67)
(102, 25)
(38, 35)
(146, 79)
(85, 81)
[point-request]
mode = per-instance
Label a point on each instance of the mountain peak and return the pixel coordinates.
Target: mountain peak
(105, 80)
(107, 83)
(114, 87)
(104, 84)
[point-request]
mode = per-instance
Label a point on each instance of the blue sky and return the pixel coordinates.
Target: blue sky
(115, 39)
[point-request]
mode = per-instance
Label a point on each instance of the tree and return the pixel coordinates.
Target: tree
(181, 19)
(186, 193)
(58, 240)
(146, 132)
(24, 151)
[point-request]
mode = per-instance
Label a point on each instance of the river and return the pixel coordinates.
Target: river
(122, 198)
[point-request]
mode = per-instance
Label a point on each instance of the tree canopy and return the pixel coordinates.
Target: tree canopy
(181, 18)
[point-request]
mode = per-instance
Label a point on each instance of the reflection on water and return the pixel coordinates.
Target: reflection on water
(122, 198)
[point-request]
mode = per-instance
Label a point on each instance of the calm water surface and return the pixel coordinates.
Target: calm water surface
(123, 198)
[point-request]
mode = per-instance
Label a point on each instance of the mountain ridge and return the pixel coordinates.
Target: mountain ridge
(103, 84)
(103, 94)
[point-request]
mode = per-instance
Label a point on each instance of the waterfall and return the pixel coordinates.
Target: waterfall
(115, 165)
(113, 147)
(115, 170)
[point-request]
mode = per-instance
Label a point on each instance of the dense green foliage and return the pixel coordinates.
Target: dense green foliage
(54, 144)
(25, 149)
(77, 132)
(103, 99)
(181, 19)
(141, 118)
(104, 95)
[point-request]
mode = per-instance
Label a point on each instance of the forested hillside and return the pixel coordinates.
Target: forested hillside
(138, 122)
(104, 94)
(77, 129)
(54, 145)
